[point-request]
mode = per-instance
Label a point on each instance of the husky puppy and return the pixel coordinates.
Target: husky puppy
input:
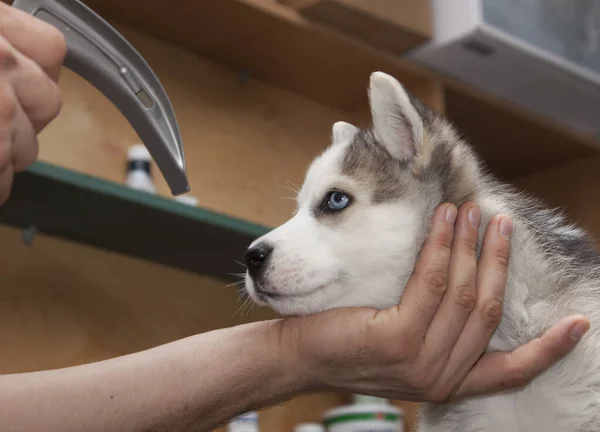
(362, 216)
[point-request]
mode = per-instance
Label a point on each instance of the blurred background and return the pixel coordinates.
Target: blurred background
(100, 261)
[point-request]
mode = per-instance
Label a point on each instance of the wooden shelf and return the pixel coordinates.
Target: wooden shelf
(270, 41)
(85, 209)
(396, 26)
(512, 142)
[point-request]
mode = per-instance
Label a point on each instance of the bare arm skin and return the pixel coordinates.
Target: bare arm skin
(428, 348)
(192, 384)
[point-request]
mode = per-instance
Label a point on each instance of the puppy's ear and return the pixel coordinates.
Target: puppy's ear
(396, 123)
(343, 132)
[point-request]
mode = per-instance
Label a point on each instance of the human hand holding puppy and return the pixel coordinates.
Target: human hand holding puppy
(428, 348)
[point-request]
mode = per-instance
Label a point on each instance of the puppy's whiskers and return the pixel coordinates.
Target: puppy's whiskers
(241, 294)
(291, 187)
(234, 284)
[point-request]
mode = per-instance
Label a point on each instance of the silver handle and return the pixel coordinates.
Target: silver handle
(102, 56)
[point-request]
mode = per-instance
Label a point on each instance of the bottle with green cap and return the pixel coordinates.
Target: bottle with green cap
(365, 414)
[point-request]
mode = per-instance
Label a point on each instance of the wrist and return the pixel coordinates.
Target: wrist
(302, 354)
(271, 369)
(295, 370)
(332, 350)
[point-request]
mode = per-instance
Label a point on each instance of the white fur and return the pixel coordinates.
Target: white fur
(366, 260)
(343, 132)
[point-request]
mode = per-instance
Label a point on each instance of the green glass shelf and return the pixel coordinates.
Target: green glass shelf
(92, 211)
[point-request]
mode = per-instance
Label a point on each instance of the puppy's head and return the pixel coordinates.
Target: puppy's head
(363, 210)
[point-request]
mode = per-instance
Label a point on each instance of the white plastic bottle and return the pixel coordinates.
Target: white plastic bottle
(139, 169)
(245, 423)
(187, 199)
(309, 427)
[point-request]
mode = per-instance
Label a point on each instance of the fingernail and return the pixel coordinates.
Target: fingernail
(506, 227)
(474, 217)
(579, 330)
(451, 213)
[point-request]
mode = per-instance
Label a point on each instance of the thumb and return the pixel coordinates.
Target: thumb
(500, 371)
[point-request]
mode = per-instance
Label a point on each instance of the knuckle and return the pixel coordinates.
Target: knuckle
(8, 57)
(502, 256)
(470, 246)
(28, 157)
(443, 239)
(5, 155)
(492, 313)
(57, 45)
(55, 102)
(8, 60)
(551, 352)
(554, 354)
(466, 296)
(8, 106)
(436, 280)
(46, 102)
(515, 378)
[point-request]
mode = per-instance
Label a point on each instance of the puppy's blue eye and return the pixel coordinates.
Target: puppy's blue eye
(337, 201)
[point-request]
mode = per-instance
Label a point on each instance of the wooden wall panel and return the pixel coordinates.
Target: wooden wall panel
(574, 187)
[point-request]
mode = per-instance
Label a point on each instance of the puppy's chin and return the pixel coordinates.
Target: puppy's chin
(290, 306)
(299, 303)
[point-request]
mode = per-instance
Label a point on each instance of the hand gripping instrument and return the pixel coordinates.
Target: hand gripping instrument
(103, 57)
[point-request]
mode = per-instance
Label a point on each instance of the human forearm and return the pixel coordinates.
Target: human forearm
(192, 384)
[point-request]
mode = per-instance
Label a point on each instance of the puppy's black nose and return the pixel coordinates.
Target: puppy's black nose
(256, 256)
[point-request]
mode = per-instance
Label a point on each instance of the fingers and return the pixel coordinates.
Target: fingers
(21, 87)
(33, 38)
(8, 112)
(6, 180)
(31, 56)
(39, 96)
(461, 296)
(500, 371)
(426, 287)
(18, 140)
(36, 92)
(24, 143)
(487, 313)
